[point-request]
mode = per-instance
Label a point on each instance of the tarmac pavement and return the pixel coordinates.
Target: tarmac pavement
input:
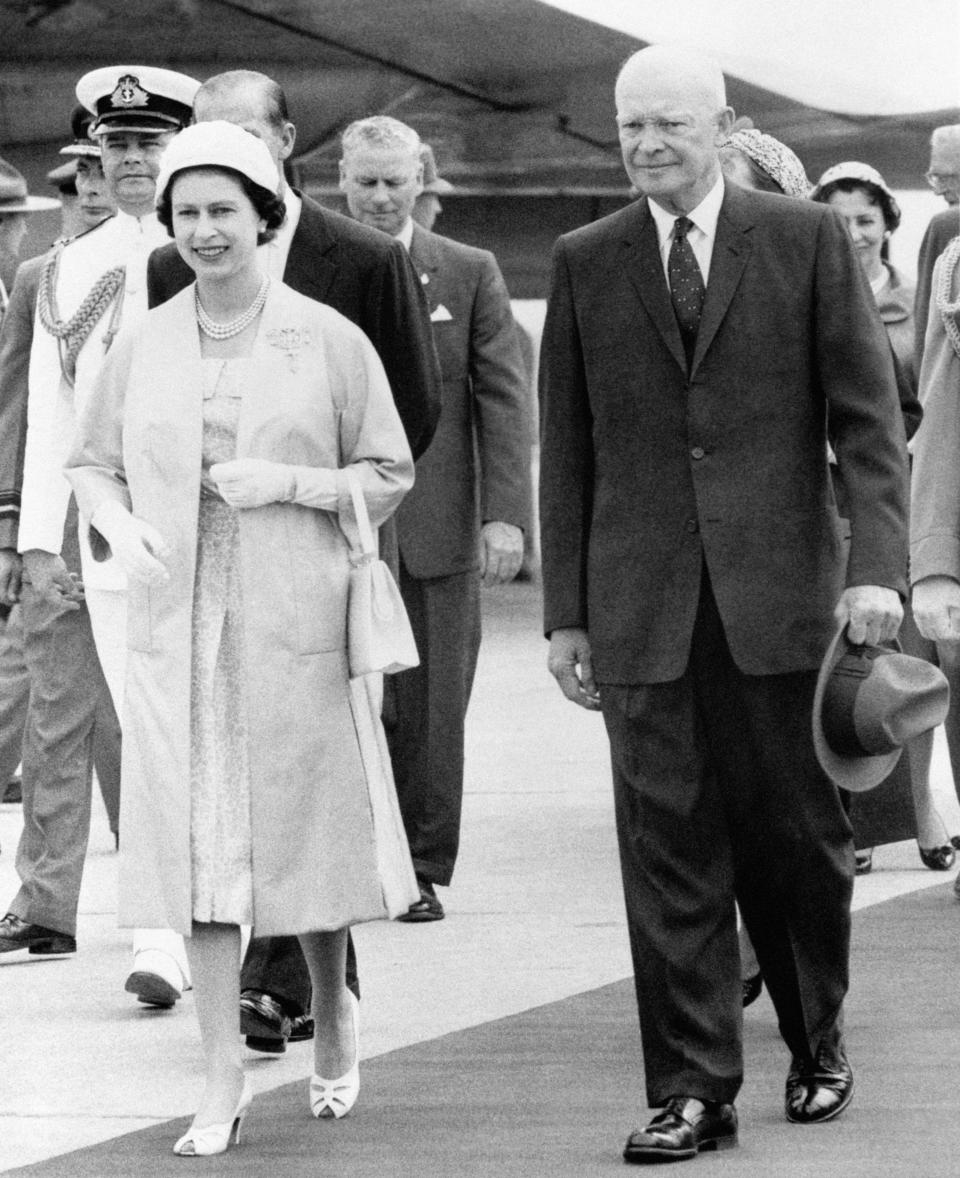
(535, 916)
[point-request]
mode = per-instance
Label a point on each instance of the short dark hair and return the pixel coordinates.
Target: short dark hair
(267, 204)
(876, 196)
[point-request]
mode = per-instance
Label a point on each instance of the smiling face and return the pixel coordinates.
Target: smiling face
(215, 226)
(864, 220)
(671, 121)
(93, 196)
(381, 185)
(131, 163)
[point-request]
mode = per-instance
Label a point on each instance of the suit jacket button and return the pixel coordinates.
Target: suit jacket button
(697, 452)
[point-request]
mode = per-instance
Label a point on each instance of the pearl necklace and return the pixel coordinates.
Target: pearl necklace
(214, 330)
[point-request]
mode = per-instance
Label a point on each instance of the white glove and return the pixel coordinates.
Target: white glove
(936, 608)
(254, 482)
(137, 546)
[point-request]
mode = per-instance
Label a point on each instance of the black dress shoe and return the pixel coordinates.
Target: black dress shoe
(752, 988)
(301, 1028)
(264, 1021)
(683, 1129)
(41, 942)
(13, 790)
(428, 907)
(937, 858)
(819, 1089)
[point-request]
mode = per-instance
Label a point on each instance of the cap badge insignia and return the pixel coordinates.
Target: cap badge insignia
(129, 93)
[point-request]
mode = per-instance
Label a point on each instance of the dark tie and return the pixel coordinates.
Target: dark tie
(686, 285)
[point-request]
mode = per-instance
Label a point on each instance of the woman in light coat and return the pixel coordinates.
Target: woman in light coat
(210, 461)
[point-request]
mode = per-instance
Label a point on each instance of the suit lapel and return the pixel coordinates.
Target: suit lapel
(644, 268)
(731, 251)
(312, 261)
(426, 262)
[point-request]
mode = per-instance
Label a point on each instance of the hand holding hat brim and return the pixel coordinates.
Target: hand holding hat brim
(880, 704)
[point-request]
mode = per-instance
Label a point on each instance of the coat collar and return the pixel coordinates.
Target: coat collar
(731, 250)
(312, 263)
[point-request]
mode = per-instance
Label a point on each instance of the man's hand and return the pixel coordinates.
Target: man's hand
(501, 552)
(872, 613)
(936, 608)
(253, 482)
(570, 650)
(51, 579)
(11, 568)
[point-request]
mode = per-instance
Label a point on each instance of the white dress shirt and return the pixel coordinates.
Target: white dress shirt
(701, 235)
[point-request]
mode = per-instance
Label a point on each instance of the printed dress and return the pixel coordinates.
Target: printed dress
(220, 833)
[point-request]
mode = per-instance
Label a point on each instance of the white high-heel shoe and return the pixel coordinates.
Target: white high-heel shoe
(211, 1139)
(335, 1098)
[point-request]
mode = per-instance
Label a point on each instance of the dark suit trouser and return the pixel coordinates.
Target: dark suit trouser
(277, 966)
(429, 705)
(718, 794)
(14, 694)
(66, 684)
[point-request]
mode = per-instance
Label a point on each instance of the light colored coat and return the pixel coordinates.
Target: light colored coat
(935, 498)
(328, 847)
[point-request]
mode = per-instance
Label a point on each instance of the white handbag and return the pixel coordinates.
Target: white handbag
(379, 637)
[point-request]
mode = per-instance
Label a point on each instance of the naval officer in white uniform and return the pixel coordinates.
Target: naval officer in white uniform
(75, 608)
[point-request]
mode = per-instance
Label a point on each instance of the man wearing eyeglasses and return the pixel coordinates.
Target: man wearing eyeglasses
(943, 177)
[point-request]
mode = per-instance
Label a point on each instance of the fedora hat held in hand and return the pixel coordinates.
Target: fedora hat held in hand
(869, 701)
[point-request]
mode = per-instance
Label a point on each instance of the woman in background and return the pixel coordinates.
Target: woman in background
(861, 196)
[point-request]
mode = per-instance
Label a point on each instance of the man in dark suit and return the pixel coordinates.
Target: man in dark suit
(369, 279)
(465, 519)
(944, 178)
(701, 347)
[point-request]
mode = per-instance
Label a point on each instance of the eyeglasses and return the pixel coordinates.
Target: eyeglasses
(938, 179)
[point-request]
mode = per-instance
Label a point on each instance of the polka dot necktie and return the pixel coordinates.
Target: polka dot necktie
(687, 289)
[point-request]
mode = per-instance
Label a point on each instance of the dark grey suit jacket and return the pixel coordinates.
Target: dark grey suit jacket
(647, 471)
(478, 466)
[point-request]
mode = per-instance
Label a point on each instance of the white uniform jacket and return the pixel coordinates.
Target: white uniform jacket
(54, 406)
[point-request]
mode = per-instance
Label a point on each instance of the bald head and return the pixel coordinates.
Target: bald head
(695, 75)
(672, 116)
(253, 101)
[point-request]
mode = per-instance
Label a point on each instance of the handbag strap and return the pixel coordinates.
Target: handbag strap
(365, 532)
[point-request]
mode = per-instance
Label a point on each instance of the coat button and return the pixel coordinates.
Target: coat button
(697, 452)
(692, 525)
